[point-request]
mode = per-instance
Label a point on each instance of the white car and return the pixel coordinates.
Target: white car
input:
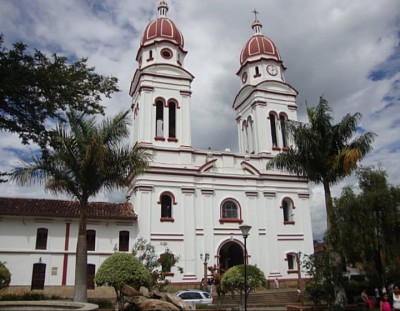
(197, 296)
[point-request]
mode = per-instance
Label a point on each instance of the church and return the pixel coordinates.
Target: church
(197, 199)
(194, 200)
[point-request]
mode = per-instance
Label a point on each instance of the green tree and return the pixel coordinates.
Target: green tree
(158, 266)
(86, 158)
(367, 225)
(120, 269)
(321, 285)
(37, 90)
(5, 276)
(233, 280)
(324, 153)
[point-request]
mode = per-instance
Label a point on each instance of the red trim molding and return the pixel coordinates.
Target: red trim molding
(65, 261)
(230, 220)
(167, 219)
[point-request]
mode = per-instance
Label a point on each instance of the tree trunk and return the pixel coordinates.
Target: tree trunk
(335, 257)
(330, 216)
(80, 289)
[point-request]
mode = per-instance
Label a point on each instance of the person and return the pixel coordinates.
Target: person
(377, 297)
(396, 298)
(367, 301)
(385, 304)
(276, 283)
(209, 286)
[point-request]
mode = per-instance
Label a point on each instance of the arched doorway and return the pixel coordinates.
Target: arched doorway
(230, 254)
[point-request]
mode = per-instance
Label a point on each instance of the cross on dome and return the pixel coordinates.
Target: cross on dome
(162, 8)
(256, 24)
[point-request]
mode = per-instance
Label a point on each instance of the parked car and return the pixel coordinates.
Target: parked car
(197, 296)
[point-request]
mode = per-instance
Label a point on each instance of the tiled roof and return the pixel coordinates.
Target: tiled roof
(65, 209)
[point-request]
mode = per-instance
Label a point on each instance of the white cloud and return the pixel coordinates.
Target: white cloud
(329, 47)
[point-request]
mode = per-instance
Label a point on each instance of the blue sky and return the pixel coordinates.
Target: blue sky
(347, 51)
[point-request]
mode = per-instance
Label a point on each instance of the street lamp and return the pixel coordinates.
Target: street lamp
(299, 283)
(245, 232)
(206, 257)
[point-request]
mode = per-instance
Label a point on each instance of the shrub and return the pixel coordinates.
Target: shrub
(120, 269)
(5, 276)
(233, 280)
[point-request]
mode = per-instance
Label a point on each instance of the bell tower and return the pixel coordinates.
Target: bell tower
(265, 101)
(161, 86)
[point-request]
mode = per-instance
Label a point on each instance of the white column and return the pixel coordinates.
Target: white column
(189, 234)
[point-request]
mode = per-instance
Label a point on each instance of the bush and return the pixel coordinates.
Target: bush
(5, 276)
(233, 279)
(353, 289)
(120, 269)
(315, 292)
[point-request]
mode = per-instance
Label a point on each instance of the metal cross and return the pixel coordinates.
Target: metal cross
(255, 13)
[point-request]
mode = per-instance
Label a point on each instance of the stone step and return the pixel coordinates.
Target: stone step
(264, 298)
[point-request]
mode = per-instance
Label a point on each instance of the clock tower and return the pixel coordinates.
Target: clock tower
(265, 101)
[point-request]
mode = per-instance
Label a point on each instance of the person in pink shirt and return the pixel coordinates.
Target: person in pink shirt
(385, 304)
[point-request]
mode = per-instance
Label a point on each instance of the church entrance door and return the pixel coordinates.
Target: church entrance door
(230, 254)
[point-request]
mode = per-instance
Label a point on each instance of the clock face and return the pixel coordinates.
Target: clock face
(244, 77)
(272, 70)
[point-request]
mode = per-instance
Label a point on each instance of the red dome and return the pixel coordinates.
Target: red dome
(259, 45)
(162, 29)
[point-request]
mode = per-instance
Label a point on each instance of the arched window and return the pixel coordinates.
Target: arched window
(272, 120)
(91, 239)
(257, 71)
(159, 119)
(123, 241)
(150, 55)
(287, 209)
(292, 262)
(41, 238)
(230, 211)
(250, 136)
(282, 120)
(167, 200)
(245, 136)
(172, 120)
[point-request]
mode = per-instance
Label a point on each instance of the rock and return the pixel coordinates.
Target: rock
(129, 291)
(144, 291)
(180, 303)
(155, 304)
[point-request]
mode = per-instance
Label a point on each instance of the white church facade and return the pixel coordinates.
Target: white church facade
(195, 200)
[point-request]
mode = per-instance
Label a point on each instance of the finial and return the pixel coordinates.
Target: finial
(255, 13)
(256, 24)
(162, 8)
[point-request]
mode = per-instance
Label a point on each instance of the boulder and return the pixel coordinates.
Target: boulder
(129, 291)
(180, 303)
(154, 304)
(144, 291)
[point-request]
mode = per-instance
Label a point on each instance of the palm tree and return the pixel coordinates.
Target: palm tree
(85, 158)
(324, 152)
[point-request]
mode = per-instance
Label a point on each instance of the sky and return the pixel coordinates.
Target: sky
(346, 51)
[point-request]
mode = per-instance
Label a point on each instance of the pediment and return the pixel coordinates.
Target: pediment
(167, 70)
(265, 86)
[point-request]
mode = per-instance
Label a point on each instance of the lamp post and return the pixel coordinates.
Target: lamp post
(299, 283)
(245, 232)
(206, 257)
